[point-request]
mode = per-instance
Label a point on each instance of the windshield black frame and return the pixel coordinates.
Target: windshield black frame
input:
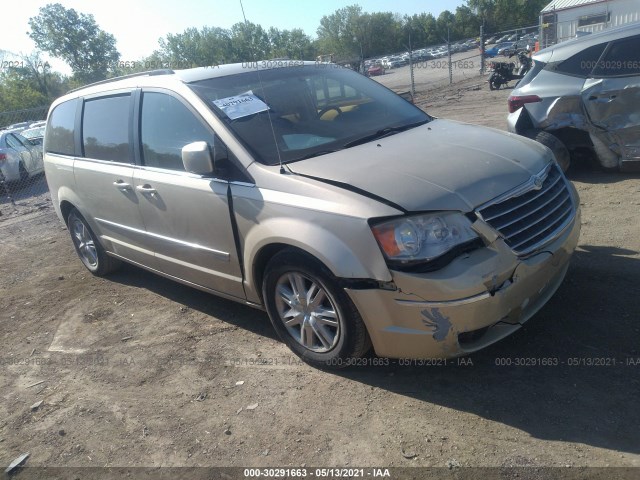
(313, 110)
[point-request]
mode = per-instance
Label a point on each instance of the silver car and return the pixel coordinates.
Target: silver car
(584, 94)
(351, 216)
(19, 159)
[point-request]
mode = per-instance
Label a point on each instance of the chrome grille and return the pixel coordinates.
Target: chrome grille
(529, 217)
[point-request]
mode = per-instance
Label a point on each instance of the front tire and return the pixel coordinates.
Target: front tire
(311, 313)
(88, 248)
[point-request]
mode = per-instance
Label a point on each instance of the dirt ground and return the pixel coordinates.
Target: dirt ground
(135, 370)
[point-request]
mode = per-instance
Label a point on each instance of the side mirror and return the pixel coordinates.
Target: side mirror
(196, 158)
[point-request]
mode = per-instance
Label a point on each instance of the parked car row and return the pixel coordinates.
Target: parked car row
(507, 49)
(378, 66)
(529, 37)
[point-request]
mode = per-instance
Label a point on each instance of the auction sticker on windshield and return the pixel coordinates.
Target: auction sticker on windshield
(241, 105)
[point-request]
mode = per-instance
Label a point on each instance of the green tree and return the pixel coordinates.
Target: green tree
(18, 94)
(195, 48)
(249, 42)
(342, 33)
(500, 15)
(31, 83)
(445, 26)
(294, 44)
(77, 39)
(467, 23)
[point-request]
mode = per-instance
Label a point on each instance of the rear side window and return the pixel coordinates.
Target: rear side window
(167, 126)
(621, 59)
(59, 137)
(13, 142)
(23, 141)
(105, 129)
(582, 63)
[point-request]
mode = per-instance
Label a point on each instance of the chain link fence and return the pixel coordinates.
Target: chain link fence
(23, 187)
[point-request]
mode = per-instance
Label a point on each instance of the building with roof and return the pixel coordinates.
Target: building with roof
(564, 19)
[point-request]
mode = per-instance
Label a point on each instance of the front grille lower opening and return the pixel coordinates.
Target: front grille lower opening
(468, 338)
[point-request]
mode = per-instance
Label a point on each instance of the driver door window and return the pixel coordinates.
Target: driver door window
(167, 126)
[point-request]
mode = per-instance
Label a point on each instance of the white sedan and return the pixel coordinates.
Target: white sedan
(19, 159)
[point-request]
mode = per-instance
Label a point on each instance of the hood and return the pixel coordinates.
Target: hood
(442, 165)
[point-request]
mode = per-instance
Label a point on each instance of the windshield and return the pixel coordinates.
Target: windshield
(33, 132)
(308, 110)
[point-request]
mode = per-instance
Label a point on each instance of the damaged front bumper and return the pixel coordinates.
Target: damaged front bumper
(473, 302)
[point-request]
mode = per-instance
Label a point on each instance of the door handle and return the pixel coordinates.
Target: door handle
(121, 184)
(594, 98)
(146, 189)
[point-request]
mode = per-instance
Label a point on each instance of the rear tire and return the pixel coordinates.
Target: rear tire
(311, 313)
(495, 82)
(559, 149)
(88, 247)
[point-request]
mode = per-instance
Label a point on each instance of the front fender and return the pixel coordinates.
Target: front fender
(353, 254)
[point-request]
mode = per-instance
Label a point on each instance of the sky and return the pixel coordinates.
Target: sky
(138, 24)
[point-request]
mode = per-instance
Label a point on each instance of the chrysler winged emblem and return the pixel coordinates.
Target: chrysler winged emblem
(538, 180)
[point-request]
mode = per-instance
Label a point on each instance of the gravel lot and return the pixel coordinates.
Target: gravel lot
(135, 370)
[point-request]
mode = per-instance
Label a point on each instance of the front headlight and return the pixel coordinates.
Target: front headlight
(422, 239)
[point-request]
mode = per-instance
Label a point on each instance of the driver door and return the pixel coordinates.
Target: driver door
(187, 216)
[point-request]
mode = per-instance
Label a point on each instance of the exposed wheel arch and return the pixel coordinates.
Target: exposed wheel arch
(260, 263)
(266, 253)
(65, 208)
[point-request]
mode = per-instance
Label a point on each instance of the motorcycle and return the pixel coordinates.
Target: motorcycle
(503, 71)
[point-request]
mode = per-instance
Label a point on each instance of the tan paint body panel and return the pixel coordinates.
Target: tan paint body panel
(424, 317)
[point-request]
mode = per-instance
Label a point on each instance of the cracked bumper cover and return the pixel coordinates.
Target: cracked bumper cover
(490, 291)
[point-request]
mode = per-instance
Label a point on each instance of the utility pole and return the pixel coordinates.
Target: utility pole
(482, 65)
(410, 50)
(413, 83)
(449, 55)
(361, 69)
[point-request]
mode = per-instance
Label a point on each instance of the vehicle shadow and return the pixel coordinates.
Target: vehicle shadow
(588, 333)
(242, 316)
(586, 171)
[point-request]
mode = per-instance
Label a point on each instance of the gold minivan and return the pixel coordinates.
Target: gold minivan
(352, 217)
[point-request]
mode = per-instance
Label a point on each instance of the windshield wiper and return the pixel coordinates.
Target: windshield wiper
(384, 132)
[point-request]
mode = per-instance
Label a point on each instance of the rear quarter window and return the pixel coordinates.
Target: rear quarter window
(582, 63)
(59, 137)
(622, 59)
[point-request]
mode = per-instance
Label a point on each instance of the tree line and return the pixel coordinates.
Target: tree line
(348, 33)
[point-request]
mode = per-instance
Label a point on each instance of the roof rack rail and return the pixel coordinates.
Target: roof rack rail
(150, 73)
